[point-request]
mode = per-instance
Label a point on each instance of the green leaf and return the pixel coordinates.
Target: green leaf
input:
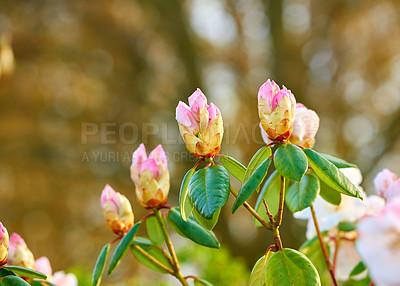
(154, 230)
(142, 241)
(339, 163)
(301, 195)
(329, 194)
(205, 222)
(330, 174)
(202, 282)
(358, 269)
(362, 282)
(290, 267)
(209, 190)
(290, 162)
(192, 230)
(270, 193)
(251, 184)
(25, 272)
(184, 201)
(36, 283)
(257, 276)
(13, 281)
(347, 226)
(312, 249)
(234, 167)
(122, 247)
(257, 159)
(100, 265)
(5, 272)
(155, 253)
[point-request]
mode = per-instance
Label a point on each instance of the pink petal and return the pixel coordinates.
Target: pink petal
(213, 111)
(16, 240)
(281, 94)
(139, 156)
(197, 100)
(42, 264)
(268, 90)
(2, 230)
(151, 165)
(159, 155)
(107, 194)
(383, 180)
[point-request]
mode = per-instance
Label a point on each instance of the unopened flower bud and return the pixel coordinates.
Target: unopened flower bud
(19, 253)
(151, 176)
(383, 180)
(117, 211)
(3, 244)
(305, 126)
(200, 125)
(276, 108)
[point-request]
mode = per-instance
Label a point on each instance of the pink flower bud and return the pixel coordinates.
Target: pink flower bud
(305, 126)
(200, 125)
(19, 253)
(3, 244)
(151, 176)
(383, 180)
(117, 211)
(393, 190)
(276, 108)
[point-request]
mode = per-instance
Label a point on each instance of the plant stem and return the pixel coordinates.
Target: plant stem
(177, 270)
(338, 240)
(252, 211)
(281, 202)
(152, 259)
(323, 248)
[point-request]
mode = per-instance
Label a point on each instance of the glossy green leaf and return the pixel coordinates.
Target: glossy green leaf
(290, 162)
(192, 230)
(251, 184)
(358, 269)
(290, 267)
(13, 281)
(142, 241)
(301, 195)
(202, 282)
(122, 247)
(330, 174)
(186, 206)
(257, 159)
(234, 167)
(270, 193)
(153, 252)
(329, 194)
(100, 265)
(339, 163)
(347, 226)
(5, 272)
(312, 249)
(25, 272)
(209, 190)
(154, 230)
(205, 222)
(36, 283)
(257, 276)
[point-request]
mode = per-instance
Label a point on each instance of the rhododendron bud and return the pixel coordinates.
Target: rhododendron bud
(19, 253)
(3, 244)
(117, 211)
(378, 244)
(276, 108)
(383, 180)
(200, 125)
(305, 126)
(151, 176)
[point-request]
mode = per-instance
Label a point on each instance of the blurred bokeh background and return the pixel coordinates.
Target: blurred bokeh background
(91, 80)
